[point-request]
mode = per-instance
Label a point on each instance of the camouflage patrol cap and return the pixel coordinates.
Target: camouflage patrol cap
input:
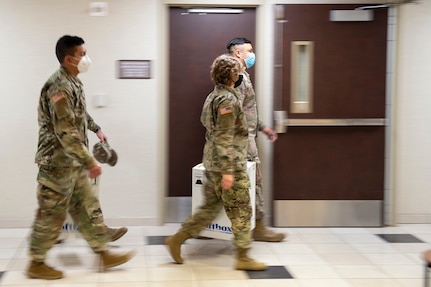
(104, 153)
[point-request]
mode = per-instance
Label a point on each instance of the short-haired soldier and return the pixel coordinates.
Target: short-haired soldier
(66, 165)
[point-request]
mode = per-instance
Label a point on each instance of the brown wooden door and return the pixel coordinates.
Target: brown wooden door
(329, 165)
(194, 42)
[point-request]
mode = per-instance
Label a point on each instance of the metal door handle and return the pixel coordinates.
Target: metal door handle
(282, 122)
(336, 122)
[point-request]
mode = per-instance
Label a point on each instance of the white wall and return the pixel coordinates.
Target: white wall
(130, 191)
(413, 117)
(134, 119)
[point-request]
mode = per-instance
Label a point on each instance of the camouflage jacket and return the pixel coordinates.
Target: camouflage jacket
(63, 123)
(226, 136)
(248, 96)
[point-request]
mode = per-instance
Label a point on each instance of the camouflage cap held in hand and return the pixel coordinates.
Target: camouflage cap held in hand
(103, 153)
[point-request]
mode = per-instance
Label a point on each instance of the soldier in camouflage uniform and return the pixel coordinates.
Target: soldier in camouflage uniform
(225, 161)
(242, 49)
(66, 165)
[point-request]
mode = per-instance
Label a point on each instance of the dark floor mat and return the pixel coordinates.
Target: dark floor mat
(400, 238)
(272, 272)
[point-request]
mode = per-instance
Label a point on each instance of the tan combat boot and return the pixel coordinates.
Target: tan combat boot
(39, 270)
(244, 262)
(116, 233)
(109, 260)
(174, 244)
(261, 233)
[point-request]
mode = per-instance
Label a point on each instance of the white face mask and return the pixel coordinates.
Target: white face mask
(84, 64)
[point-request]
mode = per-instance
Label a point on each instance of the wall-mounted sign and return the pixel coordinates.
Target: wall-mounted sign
(134, 69)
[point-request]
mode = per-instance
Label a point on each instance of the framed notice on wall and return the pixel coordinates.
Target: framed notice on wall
(134, 69)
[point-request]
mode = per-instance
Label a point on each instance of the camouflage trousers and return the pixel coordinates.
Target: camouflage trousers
(61, 190)
(236, 202)
(253, 155)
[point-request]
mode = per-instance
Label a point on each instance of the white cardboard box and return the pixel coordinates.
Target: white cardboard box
(221, 227)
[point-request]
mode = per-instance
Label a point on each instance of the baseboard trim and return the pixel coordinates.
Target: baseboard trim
(27, 222)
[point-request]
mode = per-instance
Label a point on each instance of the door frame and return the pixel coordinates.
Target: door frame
(176, 209)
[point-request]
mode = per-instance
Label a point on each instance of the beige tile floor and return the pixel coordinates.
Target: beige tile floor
(324, 257)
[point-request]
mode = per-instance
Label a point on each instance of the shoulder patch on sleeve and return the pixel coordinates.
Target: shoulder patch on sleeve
(57, 97)
(226, 110)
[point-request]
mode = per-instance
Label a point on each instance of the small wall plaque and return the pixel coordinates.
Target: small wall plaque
(134, 69)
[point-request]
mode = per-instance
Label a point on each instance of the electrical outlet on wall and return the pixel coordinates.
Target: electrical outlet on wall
(98, 9)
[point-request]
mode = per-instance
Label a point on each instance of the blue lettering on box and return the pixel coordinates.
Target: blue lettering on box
(219, 228)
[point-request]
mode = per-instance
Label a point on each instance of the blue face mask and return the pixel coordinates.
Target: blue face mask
(250, 60)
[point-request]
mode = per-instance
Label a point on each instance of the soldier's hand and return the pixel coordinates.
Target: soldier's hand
(101, 136)
(95, 171)
(270, 133)
(227, 181)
